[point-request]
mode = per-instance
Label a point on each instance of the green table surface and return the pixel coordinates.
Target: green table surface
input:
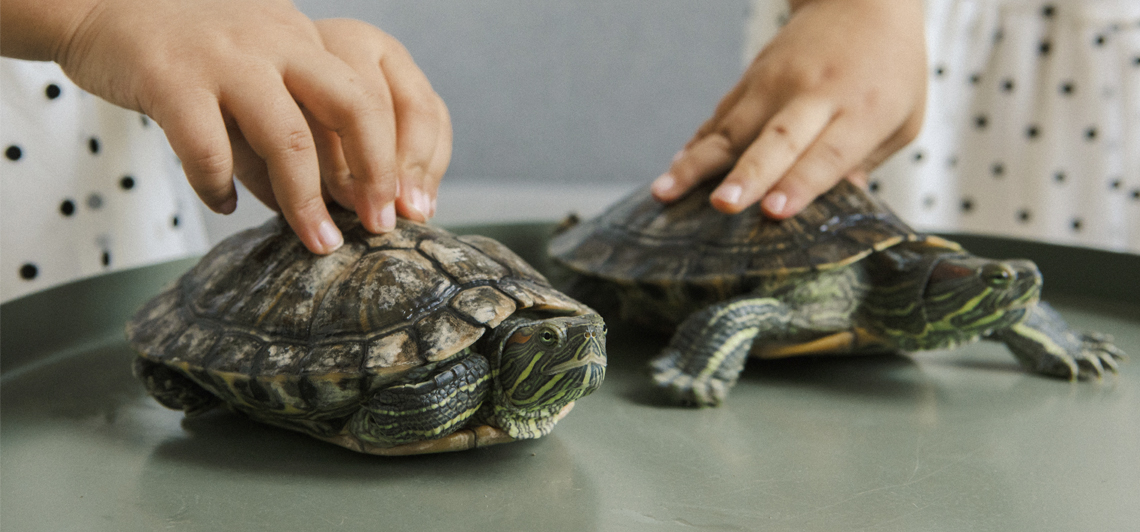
(960, 440)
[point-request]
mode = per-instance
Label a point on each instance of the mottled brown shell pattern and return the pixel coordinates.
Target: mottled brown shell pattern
(262, 321)
(642, 240)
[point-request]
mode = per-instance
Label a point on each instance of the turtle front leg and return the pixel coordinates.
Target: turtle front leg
(431, 407)
(1044, 343)
(708, 351)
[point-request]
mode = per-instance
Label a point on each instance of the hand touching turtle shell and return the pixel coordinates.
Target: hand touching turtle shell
(839, 89)
(296, 109)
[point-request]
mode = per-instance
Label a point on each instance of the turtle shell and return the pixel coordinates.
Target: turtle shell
(269, 327)
(642, 240)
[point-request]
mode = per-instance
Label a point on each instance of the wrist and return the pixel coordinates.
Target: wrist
(41, 30)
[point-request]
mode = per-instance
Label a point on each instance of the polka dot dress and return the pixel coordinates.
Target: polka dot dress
(87, 187)
(1033, 123)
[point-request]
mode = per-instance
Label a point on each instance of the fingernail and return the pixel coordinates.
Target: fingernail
(729, 193)
(421, 203)
(774, 203)
(388, 217)
(663, 185)
(677, 156)
(330, 236)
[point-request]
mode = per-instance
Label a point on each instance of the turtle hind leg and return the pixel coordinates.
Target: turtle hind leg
(1044, 343)
(173, 389)
(431, 407)
(708, 351)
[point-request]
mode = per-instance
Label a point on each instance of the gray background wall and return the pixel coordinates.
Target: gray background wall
(556, 105)
(582, 90)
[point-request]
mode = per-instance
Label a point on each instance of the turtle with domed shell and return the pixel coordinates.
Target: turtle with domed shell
(413, 341)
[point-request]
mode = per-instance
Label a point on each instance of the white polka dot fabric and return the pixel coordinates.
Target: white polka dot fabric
(1033, 122)
(87, 187)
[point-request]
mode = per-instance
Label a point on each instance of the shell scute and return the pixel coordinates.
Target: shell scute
(384, 290)
(463, 263)
(234, 353)
(193, 344)
(503, 255)
(394, 351)
(484, 304)
(338, 357)
(281, 358)
(443, 334)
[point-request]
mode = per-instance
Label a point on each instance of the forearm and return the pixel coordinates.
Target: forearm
(40, 29)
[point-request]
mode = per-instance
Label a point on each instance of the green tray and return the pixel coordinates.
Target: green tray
(960, 440)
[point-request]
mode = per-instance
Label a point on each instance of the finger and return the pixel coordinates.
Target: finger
(859, 177)
(723, 108)
(250, 169)
(418, 124)
(361, 116)
(838, 151)
(441, 159)
(713, 154)
(782, 141)
(197, 134)
(336, 178)
(273, 125)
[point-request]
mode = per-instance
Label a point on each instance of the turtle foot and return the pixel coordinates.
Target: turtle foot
(702, 390)
(1097, 356)
(1088, 356)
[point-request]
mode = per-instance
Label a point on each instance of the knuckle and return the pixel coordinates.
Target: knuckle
(724, 139)
(746, 169)
(208, 166)
(783, 137)
(830, 154)
(306, 208)
(296, 142)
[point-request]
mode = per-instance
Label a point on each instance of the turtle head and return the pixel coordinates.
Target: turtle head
(544, 366)
(967, 296)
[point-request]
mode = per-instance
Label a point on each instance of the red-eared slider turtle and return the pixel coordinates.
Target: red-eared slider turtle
(844, 276)
(413, 341)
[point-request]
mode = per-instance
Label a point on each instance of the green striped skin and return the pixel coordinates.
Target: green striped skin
(427, 408)
(707, 354)
(543, 366)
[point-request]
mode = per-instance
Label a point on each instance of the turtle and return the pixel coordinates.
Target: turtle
(408, 342)
(844, 276)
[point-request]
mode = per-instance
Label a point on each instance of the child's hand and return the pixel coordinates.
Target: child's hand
(297, 108)
(839, 89)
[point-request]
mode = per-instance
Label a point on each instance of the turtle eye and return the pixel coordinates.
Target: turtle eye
(997, 275)
(548, 337)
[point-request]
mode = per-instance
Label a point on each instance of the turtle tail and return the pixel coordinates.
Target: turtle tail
(173, 389)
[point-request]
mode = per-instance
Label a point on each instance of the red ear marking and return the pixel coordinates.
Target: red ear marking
(945, 271)
(519, 338)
